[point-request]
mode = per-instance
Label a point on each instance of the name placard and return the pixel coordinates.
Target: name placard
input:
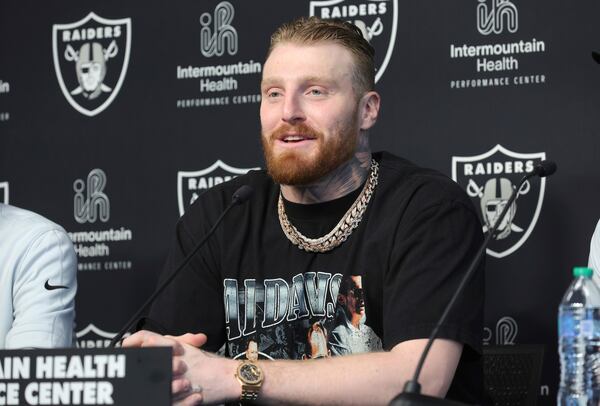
(80, 376)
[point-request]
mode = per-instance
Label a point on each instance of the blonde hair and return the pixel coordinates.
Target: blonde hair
(314, 30)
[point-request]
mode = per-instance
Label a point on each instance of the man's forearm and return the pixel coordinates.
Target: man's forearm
(356, 379)
(365, 379)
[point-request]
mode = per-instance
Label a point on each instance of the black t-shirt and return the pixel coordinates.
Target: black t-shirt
(388, 282)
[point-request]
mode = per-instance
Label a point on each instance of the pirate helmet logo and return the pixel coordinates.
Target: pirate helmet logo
(87, 58)
(90, 65)
(493, 198)
(378, 21)
(489, 179)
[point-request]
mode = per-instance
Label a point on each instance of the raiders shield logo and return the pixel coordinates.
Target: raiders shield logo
(190, 185)
(489, 179)
(4, 192)
(377, 19)
(93, 337)
(90, 59)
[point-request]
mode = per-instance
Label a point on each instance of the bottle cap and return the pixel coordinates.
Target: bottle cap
(582, 271)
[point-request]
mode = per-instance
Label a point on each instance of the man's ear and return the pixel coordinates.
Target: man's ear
(369, 109)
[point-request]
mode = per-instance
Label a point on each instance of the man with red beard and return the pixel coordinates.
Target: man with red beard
(326, 209)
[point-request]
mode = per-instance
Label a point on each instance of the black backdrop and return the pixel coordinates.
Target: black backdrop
(113, 168)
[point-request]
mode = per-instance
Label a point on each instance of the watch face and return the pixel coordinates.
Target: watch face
(250, 373)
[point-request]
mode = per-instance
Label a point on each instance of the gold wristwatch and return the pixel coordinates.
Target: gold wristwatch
(251, 378)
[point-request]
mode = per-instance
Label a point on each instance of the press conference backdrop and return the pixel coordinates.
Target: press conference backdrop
(114, 116)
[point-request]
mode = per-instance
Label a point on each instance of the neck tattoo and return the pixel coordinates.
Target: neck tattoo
(344, 227)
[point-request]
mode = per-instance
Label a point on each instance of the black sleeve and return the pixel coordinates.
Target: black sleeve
(193, 303)
(431, 254)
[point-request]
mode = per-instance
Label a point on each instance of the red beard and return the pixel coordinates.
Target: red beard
(292, 168)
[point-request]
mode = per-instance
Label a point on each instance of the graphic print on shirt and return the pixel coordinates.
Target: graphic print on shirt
(315, 315)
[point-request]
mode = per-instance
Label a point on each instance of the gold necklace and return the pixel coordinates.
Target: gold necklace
(344, 227)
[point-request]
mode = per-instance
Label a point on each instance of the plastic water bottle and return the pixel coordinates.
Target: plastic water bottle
(579, 342)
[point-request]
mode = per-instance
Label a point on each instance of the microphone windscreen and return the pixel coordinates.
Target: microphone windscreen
(242, 194)
(545, 168)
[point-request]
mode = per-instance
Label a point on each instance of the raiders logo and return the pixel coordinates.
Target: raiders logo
(93, 337)
(91, 58)
(190, 185)
(377, 19)
(489, 179)
(4, 192)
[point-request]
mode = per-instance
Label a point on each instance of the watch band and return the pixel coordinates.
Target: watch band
(249, 393)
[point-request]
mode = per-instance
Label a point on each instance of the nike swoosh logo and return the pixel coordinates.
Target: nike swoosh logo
(53, 287)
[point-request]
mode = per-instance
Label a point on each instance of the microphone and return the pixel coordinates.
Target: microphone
(240, 196)
(243, 194)
(411, 395)
(544, 169)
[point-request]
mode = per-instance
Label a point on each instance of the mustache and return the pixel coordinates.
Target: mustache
(301, 129)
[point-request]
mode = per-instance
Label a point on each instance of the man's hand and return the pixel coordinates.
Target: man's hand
(195, 340)
(198, 376)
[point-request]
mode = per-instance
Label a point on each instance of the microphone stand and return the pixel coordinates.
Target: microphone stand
(240, 196)
(411, 395)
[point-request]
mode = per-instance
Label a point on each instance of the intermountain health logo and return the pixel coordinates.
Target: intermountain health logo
(506, 332)
(501, 59)
(91, 58)
(217, 35)
(225, 81)
(496, 15)
(377, 19)
(4, 192)
(190, 184)
(98, 248)
(90, 203)
(4, 87)
(489, 179)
